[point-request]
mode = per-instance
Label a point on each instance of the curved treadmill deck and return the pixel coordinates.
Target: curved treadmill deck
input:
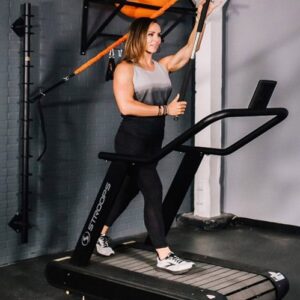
(131, 274)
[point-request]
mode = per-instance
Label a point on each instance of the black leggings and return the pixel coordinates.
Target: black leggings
(141, 178)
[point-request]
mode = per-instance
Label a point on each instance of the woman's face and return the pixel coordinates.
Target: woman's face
(153, 38)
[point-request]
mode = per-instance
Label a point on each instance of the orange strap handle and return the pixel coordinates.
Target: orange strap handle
(94, 59)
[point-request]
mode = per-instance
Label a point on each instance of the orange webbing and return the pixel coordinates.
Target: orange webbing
(119, 41)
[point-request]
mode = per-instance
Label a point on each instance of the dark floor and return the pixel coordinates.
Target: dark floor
(266, 248)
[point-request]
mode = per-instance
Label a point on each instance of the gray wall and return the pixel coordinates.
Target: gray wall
(263, 42)
(81, 120)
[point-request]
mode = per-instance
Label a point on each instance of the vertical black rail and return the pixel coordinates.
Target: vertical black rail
(25, 156)
(180, 185)
(84, 25)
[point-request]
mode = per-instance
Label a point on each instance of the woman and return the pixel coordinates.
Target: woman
(142, 87)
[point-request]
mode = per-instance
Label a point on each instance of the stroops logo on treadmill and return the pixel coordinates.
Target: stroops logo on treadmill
(86, 237)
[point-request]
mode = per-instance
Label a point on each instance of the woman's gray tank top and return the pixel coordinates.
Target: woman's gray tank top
(152, 87)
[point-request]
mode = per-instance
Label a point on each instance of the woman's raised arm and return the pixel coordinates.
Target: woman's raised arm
(178, 60)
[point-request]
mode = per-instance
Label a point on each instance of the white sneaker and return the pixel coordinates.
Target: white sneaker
(174, 264)
(103, 247)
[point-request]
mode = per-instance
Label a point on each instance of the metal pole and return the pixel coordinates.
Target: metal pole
(25, 128)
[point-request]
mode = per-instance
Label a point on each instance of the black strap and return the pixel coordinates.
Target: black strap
(37, 98)
(189, 68)
(43, 127)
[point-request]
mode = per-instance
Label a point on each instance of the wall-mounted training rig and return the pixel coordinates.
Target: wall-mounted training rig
(43, 92)
(22, 27)
(117, 6)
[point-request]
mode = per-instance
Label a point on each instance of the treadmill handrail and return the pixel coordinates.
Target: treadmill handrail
(279, 115)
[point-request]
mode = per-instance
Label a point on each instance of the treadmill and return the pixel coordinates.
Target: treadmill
(131, 274)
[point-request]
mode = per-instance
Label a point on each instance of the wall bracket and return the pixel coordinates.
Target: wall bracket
(88, 39)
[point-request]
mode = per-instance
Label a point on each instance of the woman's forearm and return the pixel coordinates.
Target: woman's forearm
(136, 108)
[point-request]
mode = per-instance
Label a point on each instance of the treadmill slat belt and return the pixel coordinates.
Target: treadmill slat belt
(253, 292)
(241, 285)
(134, 268)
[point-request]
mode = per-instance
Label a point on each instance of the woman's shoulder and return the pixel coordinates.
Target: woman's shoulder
(125, 66)
(124, 69)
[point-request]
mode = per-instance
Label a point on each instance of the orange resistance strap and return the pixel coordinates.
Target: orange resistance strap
(119, 41)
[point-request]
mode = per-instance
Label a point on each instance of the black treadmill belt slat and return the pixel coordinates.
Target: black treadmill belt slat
(159, 274)
(215, 282)
(193, 273)
(202, 273)
(267, 296)
(205, 275)
(242, 285)
(196, 281)
(124, 261)
(131, 266)
(234, 285)
(255, 290)
(231, 281)
(142, 269)
(130, 262)
(212, 277)
(109, 260)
